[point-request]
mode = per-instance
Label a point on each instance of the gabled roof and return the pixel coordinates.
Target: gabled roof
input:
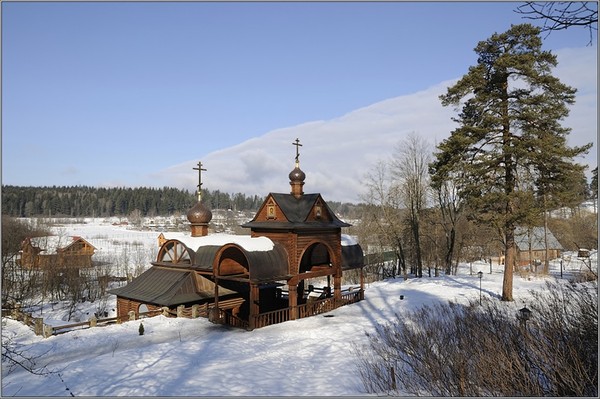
(168, 287)
(523, 236)
(52, 244)
(297, 211)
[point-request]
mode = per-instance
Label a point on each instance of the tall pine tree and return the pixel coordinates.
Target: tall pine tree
(509, 131)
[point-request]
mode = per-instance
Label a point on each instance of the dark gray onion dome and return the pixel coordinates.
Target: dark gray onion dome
(297, 175)
(199, 214)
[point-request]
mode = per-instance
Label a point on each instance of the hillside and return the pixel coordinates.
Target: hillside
(185, 357)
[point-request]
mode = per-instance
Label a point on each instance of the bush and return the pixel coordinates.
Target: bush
(472, 350)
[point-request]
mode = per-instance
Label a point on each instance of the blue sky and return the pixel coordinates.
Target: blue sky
(112, 93)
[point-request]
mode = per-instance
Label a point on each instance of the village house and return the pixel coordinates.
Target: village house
(531, 246)
(289, 267)
(56, 252)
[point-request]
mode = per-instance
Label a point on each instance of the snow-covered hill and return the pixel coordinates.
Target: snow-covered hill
(192, 357)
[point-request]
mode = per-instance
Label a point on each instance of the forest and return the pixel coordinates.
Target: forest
(84, 201)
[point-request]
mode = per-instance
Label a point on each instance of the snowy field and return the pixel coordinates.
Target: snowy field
(192, 357)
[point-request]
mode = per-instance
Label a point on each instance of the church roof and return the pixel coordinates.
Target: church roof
(168, 287)
(296, 211)
(247, 242)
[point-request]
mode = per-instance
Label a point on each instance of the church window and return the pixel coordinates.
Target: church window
(174, 252)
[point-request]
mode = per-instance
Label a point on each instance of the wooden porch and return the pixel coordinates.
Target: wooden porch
(310, 308)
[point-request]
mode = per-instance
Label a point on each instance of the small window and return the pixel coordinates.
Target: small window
(142, 309)
(271, 211)
(318, 212)
(174, 252)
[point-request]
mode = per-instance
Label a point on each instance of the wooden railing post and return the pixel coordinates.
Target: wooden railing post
(195, 311)
(93, 321)
(180, 309)
(16, 310)
(165, 311)
(47, 331)
(38, 328)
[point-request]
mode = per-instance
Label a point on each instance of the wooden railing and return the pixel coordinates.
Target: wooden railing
(272, 317)
(312, 308)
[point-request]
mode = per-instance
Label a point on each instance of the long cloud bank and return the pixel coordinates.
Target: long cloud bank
(336, 154)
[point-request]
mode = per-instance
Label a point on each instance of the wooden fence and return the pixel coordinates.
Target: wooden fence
(311, 308)
(219, 316)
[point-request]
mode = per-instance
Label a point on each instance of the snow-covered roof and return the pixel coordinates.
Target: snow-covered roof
(348, 240)
(250, 244)
(523, 237)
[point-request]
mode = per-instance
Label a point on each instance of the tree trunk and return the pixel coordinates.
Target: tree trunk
(509, 265)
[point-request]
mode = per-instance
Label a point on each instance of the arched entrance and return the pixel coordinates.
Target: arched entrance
(315, 262)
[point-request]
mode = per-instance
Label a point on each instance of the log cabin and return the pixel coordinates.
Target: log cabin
(56, 251)
(254, 280)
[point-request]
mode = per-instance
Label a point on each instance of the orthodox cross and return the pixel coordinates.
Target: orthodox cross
(199, 169)
(298, 145)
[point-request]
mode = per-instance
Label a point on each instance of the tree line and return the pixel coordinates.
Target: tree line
(84, 201)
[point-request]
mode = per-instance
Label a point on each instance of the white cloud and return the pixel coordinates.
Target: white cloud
(337, 153)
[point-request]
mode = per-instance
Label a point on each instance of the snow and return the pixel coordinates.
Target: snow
(248, 243)
(348, 240)
(193, 357)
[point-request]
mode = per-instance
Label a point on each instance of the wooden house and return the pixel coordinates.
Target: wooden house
(251, 281)
(531, 246)
(55, 251)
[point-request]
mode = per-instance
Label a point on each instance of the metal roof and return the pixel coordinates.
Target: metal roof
(523, 236)
(352, 257)
(297, 211)
(168, 287)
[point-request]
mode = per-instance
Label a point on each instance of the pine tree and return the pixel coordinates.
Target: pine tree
(509, 131)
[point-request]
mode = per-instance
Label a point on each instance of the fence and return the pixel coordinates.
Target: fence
(311, 308)
(219, 316)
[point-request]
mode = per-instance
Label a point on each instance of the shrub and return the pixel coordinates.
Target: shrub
(471, 350)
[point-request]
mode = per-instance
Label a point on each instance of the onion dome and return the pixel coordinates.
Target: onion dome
(199, 214)
(297, 175)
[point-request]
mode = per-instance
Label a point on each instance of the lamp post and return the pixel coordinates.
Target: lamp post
(480, 275)
(524, 316)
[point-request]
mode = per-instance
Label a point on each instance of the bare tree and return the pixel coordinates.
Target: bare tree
(410, 169)
(560, 15)
(382, 216)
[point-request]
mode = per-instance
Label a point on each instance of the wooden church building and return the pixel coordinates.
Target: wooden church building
(254, 280)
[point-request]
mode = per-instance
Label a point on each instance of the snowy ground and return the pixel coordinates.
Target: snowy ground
(192, 357)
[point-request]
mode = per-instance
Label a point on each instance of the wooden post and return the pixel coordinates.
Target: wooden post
(93, 321)
(337, 285)
(180, 309)
(16, 310)
(393, 375)
(293, 301)
(38, 326)
(26, 318)
(362, 283)
(165, 311)
(131, 314)
(47, 331)
(254, 306)
(195, 311)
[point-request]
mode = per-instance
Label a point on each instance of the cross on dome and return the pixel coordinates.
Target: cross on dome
(298, 145)
(199, 169)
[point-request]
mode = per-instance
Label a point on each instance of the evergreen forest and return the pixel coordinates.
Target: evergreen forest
(84, 201)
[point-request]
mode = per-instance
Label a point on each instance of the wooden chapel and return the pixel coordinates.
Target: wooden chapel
(242, 280)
